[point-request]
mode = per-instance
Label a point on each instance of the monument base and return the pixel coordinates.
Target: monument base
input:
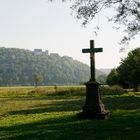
(97, 116)
(93, 108)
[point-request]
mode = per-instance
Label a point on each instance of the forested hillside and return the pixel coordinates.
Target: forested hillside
(19, 66)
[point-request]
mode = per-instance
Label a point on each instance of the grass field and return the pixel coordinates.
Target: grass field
(49, 113)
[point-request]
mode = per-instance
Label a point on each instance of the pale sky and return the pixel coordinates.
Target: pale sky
(39, 24)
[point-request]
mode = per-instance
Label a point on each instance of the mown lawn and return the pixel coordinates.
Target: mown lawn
(49, 113)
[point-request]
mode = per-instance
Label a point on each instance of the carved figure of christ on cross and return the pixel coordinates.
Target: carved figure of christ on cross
(93, 108)
(92, 52)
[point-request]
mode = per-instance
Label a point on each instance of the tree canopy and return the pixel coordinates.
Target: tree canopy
(127, 13)
(129, 69)
(113, 77)
(128, 73)
(23, 67)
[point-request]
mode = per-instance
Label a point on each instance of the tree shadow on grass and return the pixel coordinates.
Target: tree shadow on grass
(54, 106)
(69, 127)
(122, 102)
(124, 125)
(111, 103)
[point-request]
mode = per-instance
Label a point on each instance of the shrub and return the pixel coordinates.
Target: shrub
(113, 90)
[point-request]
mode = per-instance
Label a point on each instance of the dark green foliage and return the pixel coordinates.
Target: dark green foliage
(113, 77)
(113, 90)
(129, 69)
(18, 66)
(128, 73)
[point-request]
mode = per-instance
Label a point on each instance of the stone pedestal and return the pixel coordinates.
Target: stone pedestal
(93, 108)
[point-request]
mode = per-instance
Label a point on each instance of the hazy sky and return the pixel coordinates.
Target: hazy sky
(31, 24)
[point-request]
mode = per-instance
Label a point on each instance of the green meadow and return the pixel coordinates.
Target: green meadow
(50, 113)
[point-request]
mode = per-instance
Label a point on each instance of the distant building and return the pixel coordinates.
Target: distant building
(54, 54)
(38, 52)
(46, 52)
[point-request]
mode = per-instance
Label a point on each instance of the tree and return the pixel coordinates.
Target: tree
(37, 78)
(113, 77)
(102, 78)
(128, 73)
(127, 13)
(129, 69)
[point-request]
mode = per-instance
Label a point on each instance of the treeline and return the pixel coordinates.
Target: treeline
(19, 67)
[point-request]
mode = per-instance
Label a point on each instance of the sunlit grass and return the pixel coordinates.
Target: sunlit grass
(39, 91)
(35, 114)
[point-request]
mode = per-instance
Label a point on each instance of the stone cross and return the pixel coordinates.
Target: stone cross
(92, 52)
(93, 108)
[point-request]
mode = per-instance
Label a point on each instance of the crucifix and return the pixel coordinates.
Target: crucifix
(93, 108)
(92, 52)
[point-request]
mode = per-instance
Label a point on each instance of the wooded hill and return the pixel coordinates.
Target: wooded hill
(18, 67)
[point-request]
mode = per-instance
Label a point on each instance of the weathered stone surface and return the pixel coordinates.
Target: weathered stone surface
(93, 108)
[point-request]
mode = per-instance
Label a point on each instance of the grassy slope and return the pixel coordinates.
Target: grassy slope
(30, 115)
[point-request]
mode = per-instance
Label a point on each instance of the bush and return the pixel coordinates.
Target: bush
(113, 90)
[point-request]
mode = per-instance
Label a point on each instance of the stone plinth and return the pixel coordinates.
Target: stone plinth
(93, 108)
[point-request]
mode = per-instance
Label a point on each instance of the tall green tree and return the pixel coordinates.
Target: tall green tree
(128, 73)
(113, 77)
(129, 69)
(37, 78)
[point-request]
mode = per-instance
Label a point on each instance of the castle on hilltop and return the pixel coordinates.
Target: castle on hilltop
(41, 52)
